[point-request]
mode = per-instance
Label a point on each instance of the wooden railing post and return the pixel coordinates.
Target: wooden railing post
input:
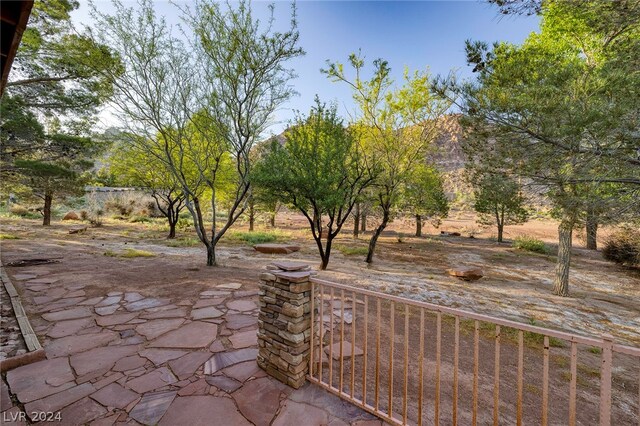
(284, 323)
(605, 380)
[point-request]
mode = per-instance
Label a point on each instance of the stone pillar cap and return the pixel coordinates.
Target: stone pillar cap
(289, 266)
(294, 276)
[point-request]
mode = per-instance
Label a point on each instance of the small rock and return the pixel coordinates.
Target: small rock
(466, 273)
(276, 248)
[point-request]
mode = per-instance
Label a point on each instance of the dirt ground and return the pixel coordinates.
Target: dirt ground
(605, 298)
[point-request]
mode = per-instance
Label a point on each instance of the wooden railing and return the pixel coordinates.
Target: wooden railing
(410, 362)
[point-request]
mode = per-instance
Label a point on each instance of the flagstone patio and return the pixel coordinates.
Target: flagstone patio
(125, 358)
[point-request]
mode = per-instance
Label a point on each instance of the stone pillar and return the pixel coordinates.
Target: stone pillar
(284, 323)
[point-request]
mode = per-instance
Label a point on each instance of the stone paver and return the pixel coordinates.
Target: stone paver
(224, 383)
(192, 335)
(145, 304)
(68, 314)
(292, 412)
(238, 321)
(229, 286)
(187, 365)
(242, 305)
(60, 400)
(203, 411)
(244, 371)
(128, 358)
(259, 399)
(160, 356)
(129, 363)
(82, 412)
(153, 380)
(244, 339)
(67, 328)
(152, 407)
(74, 344)
(115, 319)
(29, 382)
(114, 395)
(209, 312)
(155, 328)
(173, 313)
(225, 359)
(100, 358)
(5, 398)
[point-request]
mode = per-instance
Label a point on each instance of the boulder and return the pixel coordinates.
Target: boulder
(276, 248)
(71, 216)
(466, 273)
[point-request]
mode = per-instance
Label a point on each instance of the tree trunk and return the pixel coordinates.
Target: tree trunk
(327, 253)
(363, 223)
(376, 234)
(418, 225)
(356, 221)
(172, 229)
(592, 231)
(172, 218)
(211, 255)
(252, 217)
(500, 222)
(272, 220)
(561, 280)
(46, 213)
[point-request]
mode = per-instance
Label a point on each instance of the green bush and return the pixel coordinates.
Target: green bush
(129, 253)
(257, 237)
(8, 237)
(18, 210)
(527, 243)
(623, 246)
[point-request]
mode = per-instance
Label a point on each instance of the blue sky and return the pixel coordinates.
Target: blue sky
(413, 34)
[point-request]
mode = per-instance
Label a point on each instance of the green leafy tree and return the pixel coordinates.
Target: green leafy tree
(48, 180)
(561, 109)
(56, 86)
(499, 200)
(132, 167)
(209, 102)
(59, 70)
(423, 195)
(396, 126)
(319, 171)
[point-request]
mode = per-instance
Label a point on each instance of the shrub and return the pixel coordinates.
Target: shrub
(623, 246)
(8, 237)
(256, 237)
(119, 204)
(527, 243)
(131, 253)
(84, 215)
(18, 210)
